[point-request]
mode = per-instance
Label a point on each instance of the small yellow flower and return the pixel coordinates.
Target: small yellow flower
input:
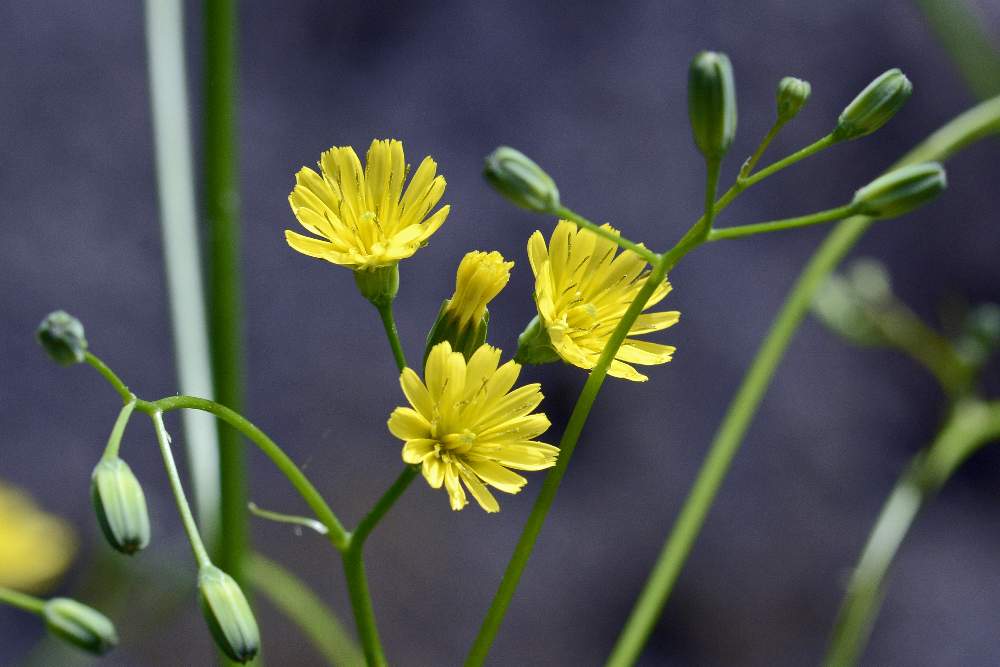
(467, 425)
(481, 276)
(35, 547)
(365, 219)
(582, 290)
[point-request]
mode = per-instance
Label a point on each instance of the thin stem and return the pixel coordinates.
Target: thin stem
(292, 519)
(197, 546)
(110, 376)
(742, 231)
(752, 161)
(612, 236)
(968, 43)
(704, 226)
(221, 183)
(788, 161)
(22, 601)
(303, 607)
(389, 322)
(115, 440)
(383, 505)
(338, 536)
(970, 126)
(519, 559)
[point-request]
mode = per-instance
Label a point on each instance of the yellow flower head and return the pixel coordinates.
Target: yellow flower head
(365, 219)
(481, 276)
(582, 290)
(35, 547)
(467, 425)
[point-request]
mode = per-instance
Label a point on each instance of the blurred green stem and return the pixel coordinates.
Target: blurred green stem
(972, 49)
(980, 121)
(22, 601)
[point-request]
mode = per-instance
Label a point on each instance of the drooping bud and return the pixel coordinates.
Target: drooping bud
(712, 103)
(874, 106)
(228, 614)
(63, 338)
(464, 319)
(80, 625)
(792, 96)
(519, 179)
(120, 505)
(901, 190)
(378, 285)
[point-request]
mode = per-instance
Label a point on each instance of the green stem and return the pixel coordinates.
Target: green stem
(970, 46)
(291, 519)
(389, 322)
(115, 440)
(742, 231)
(22, 601)
(221, 183)
(304, 608)
(519, 559)
(197, 546)
(788, 161)
(974, 124)
(110, 376)
(603, 232)
(752, 161)
(338, 536)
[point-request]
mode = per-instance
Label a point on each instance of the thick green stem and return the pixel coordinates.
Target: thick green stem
(190, 527)
(221, 192)
(22, 601)
(742, 231)
(304, 608)
(974, 124)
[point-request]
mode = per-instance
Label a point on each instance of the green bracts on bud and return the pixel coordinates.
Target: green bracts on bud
(378, 285)
(712, 103)
(900, 191)
(792, 96)
(874, 106)
(519, 179)
(120, 505)
(228, 614)
(463, 337)
(534, 345)
(80, 625)
(62, 336)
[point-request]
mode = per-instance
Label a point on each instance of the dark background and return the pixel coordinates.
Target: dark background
(595, 93)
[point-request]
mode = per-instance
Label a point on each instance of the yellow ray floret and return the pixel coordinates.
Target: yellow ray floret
(582, 289)
(466, 426)
(481, 276)
(363, 217)
(35, 547)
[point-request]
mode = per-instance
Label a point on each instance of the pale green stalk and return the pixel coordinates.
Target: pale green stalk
(175, 187)
(982, 120)
(22, 601)
(742, 231)
(115, 439)
(973, 50)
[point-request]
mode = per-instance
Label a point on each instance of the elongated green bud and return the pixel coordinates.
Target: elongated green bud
(228, 614)
(901, 190)
(80, 625)
(519, 179)
(874, 106)
(712, 103)
(120, 505)
(62, 336)
(378, 285)
(792, 96)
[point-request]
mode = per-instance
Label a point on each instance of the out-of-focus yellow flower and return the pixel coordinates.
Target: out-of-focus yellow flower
(481, 276)
(35, 547)
(582, 289)
(365, 219)
(466, 425)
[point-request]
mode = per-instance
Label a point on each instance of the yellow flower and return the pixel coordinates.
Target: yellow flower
(365, 219)
(35, 547)
(481, 276)
(582, 290)
(467, 425)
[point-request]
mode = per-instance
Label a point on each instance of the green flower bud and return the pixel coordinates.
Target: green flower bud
(378, 285)
(792, 96)
(519, 179)
(874, 106)
(712, 103)
(120, 505)
(62, 336)
(228, 614)
(534, 345)
(80, 625)
(901, 190)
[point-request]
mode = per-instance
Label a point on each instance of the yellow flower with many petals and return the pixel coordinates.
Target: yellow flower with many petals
(480, 277)
(364, 217)
(35, 547)
(582, 289)
(467, 427)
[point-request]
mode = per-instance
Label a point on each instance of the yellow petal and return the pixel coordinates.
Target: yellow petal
(309, 246)
(456, 494)
(522, 428)
(407, 424)
(644, 352)
(650, 322)
(497, 476)
(538, 254)
(433, 471)
(479, 491)
(416, 393)
(415, 451)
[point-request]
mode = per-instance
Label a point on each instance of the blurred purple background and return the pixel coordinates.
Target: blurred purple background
(596, 94)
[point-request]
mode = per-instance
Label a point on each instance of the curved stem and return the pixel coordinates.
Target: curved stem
(22, 601)
(115, 440)
(389, 322)
(788, 161)
(304, 608)
(742, 231)
(109, 375)
(197, 546)
(978, 122)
